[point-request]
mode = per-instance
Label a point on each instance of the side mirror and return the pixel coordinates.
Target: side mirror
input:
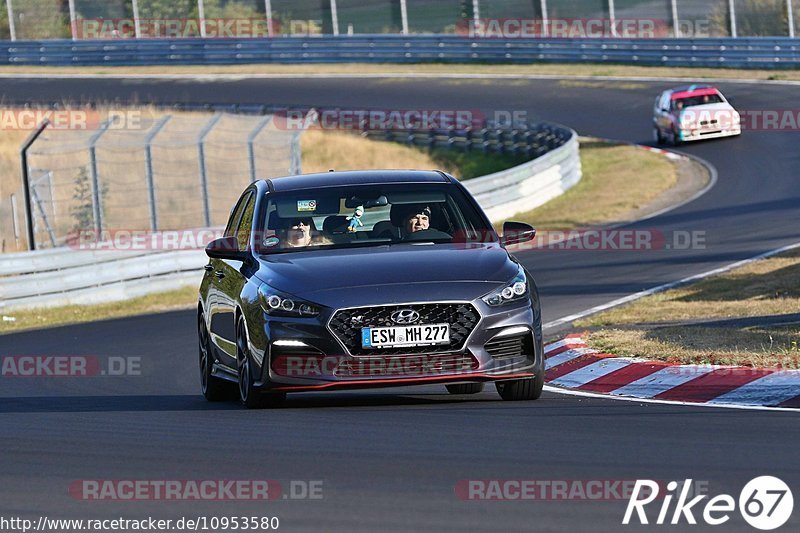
(225, 248)
(517, 232)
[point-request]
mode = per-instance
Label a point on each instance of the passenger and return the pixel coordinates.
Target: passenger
(299, 233)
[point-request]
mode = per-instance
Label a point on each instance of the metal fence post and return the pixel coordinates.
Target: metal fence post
(676, 23)
(545, 19)
(97, 192)
(334, 17)
(12, 27)
(612, 17)
(476, 12)
(268, 14)
(790, 13)
(26, 182)
(201, 14)
(296, 165)
(148, 161)
(201, 139)
(73, 23)
(732, 13)
(137, 27)
(251, 153)
(404, 17)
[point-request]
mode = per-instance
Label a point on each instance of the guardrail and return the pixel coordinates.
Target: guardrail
(755, 52)
(63, 276)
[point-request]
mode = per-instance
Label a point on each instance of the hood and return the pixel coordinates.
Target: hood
(388, 274)
(719, 111)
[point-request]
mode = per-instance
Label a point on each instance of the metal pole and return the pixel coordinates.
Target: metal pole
(612, 17)
(404, 16)
(476, 12)
(296, 160)
(73, 20)
(732, 13)
(334, 17)
(201, 13)
(137, 27)
(12, 28)
(201, 139)
(545, 19)
(26, 182)
(251, 153)
(97, 193)
(676, 23)
(268, 13)
(790, 12)
(148, 161)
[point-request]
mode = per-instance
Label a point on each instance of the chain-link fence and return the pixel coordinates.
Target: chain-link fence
(137, 172)
(50, 19)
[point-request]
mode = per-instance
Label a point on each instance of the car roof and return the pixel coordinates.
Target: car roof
(690, 88)
(360, 177)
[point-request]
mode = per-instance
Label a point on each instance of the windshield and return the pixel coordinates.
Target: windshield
(692, 101)
(374, 215)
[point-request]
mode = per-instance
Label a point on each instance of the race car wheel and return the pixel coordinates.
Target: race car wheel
(658, 137)
(248, 394)
(521, 389)
(465, 388)
(214, 389)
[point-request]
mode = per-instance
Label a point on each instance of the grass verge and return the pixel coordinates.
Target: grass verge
(617, 180)
(593, 70)
(749, 316)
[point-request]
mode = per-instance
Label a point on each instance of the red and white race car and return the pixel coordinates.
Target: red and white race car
(693, 113)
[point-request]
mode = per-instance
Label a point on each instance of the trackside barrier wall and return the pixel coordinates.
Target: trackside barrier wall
(744, 52)
(62, 276)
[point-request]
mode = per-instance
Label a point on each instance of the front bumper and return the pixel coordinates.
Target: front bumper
(305, 355)
(687, 135)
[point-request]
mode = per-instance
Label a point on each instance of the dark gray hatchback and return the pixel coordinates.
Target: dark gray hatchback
(366, 279)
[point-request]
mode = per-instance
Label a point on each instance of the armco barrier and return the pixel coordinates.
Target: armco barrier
(754, 52)
(63, 276)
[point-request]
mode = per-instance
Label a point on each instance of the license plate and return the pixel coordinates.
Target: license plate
(392, 337)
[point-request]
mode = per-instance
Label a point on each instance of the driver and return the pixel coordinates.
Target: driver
(418, 218)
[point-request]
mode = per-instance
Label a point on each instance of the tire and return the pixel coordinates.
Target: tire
(465, 388)
(214, 389)
(521, 389)
(658, 137)
(250, 397)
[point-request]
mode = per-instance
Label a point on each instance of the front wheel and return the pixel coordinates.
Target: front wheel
(521, 389)
(251, 397)
(214, 389)
(658, 137)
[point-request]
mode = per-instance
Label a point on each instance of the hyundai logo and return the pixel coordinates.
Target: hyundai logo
(405, 316)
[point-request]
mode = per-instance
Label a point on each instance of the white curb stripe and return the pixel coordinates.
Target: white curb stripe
(771, 389)
(565, 357)
(572, 341)
(591, 372)
(662, 380)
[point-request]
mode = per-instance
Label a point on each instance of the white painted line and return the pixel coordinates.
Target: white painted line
(662, 380)
(771, 389)
(667, 286)
(572, 341)
(567, 356)
(595, 395)
(376, 75)
(591, 372)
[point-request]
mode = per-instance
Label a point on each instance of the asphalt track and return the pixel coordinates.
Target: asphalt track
(391, 459)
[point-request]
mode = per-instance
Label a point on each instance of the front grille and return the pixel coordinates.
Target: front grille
(508, 347)
(407, 366)
(346, 325)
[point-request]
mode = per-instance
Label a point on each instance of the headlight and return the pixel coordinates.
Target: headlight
(277, 303)
(514, 290)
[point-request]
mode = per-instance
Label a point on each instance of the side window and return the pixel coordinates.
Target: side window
(236, 214)
(246, 224)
